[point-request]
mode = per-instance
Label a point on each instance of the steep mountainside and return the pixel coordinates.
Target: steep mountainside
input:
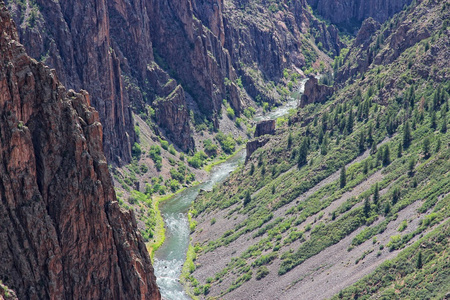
(349, 14)
(356, 185)
(63, 235)
(173, 56)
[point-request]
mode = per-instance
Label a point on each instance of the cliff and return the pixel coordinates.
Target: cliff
(315, 92)
(62, 234)
(350, 13)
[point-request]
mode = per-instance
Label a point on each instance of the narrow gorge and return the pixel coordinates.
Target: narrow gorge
(224, 149)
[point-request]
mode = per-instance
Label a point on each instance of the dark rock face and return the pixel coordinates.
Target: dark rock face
(62, 233)
(361, 45)
(253, 145)
(350, 13)
(263, 43)
(315, 92)
(265, 127)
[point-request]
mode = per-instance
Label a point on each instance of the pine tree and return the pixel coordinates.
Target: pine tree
(366, 207)
(376, 194)
(252, 169)
(365, 167)
(426, 147)
(350, 122)
(406, 136)
(273, 189)
(399, 150)
(343, 178)
(373, 149)
(395, 195)
(302, 154)
(419, 263)
(444, 124)
(433, 123)
(289, 142)
(361, 144)
(247, 198)
(386, 156)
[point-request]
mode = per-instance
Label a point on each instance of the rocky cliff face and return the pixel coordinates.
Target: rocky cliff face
(119, 50)
(350, 13)
(315, 92)
(62, 234)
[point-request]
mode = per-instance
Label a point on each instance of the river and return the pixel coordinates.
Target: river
(170, 257)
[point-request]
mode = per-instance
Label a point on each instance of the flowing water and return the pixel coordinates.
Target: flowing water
(170, 257)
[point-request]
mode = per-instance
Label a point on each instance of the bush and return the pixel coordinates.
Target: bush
(136, 151)
(198, 159)
(262, 272)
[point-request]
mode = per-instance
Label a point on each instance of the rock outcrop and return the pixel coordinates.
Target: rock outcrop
(62, 233)
(265, 127)
(315, 92)
(351, 13)
(253, 145)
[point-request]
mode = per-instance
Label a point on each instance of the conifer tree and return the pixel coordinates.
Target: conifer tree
(426, 147)
(247, 198)
(366, 207)
(289, 142)
(386, 156)
(376, 194)
(399, 150)
(343, 178)
(444, 124)
(406, 136)
(419, 263)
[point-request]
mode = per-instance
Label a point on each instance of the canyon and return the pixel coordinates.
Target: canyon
(108, 108)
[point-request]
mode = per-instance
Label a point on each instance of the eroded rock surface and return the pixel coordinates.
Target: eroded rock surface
(62, 233)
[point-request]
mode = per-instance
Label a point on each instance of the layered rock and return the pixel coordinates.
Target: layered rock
(315, 92)
(74, 38)
(350, 13)
(253, 145)
(265, 127)
(62, 233)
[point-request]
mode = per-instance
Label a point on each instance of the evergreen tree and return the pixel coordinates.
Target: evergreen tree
(399, 150)
(366, 207)
(361, 144)
(426, 147)
(438, 145)
(444, 124)
(273, 189)
(247, 198)
(302, 154)
(395, 195)
(343, 178)
(274, 171)
(350, 121)
(289, 142)
(370, 135)
(373, 149)
(406, 136)
(376, 194)
(387, 209)
(419, 263)
(433, 123)
(365, 167)
(386, 156)
(411, 166)
(252, 169)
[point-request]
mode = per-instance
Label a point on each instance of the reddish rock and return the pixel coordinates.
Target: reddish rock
(62, 233)
(253, 145)
(315, 92)
(265, 127)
